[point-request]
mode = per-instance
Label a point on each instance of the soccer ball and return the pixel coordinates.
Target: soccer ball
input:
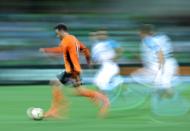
(35, 113)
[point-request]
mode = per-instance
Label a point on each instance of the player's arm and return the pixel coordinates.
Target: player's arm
(53, 50)
(161, 59)
(86, 52)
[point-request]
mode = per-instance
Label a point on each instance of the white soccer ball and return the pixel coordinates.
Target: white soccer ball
(35, 113)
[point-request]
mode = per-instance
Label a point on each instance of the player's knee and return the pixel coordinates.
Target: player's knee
(56, 83)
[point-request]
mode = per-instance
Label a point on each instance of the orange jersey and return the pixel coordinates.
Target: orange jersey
(70, 47)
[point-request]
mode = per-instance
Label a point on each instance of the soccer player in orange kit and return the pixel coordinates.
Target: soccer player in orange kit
(70, 47)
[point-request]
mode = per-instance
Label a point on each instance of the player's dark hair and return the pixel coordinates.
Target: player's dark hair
(147, 28)
(61, 27)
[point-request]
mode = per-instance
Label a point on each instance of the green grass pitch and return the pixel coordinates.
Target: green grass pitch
(14, 101)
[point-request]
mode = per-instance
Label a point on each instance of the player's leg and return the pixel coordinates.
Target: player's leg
(58, 103)
(143, 76)
(169, 71)
(167, 101)
(95, 96)
(120, 97)
(91, 94)
(107, 77)
(57, 100)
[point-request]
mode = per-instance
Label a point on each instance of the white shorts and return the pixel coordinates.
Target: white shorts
(105, 75)
(165, 76)
(160, 78)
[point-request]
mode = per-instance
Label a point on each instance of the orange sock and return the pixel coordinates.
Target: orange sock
(58, 106)
(57, 97)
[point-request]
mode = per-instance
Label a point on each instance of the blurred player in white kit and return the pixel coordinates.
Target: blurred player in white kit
(159, 66)
(105, 52)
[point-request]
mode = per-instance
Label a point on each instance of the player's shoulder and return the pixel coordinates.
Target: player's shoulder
(148, 40)
(162, 36)
(70, 37)
(113, 43)
(151, 42)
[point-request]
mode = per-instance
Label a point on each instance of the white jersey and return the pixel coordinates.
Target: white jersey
(103, 51)
(151, 45)
(107, 78)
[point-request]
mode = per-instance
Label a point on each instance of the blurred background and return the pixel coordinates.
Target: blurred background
(27, 25)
